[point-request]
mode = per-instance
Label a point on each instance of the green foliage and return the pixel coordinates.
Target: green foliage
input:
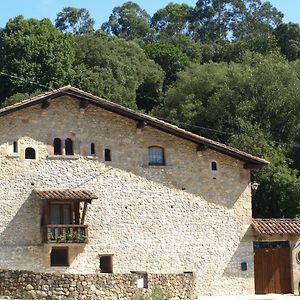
(169, 57)
(33, 50)
(116, 69)
(128, 21)
(75, 20)
(288, 36)
(156, 294)
(171, 20)
(279, 190)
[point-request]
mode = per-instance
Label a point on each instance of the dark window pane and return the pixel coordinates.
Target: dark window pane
(156, 156)
(106, 264)
(69, 147)
(107, 155)
(57, 146)
(214, 166)
(15, 147)
(59, 257)
(93, 150)
(29, 153)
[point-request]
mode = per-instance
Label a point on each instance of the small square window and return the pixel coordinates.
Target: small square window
(106, 264)
(59, 257)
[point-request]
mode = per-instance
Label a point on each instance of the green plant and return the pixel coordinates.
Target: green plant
(156, 294)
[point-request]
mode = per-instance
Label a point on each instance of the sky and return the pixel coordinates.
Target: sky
(101, 9)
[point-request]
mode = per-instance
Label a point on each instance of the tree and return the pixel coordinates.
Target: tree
(75, 21)
(171, 20)
(254, 17)
(34, 51)
(116, 69)
(128, 21)
(169, 57)
(288, 37)
(219, 20)
(279, 189)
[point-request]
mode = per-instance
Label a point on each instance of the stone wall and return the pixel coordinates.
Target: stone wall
(159, 219)
(23, 284)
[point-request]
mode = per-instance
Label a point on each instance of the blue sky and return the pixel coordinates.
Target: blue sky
(101, 9)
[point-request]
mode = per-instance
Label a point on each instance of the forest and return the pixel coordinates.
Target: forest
(225, 69)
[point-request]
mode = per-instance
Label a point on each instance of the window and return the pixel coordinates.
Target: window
(57, 146)
(106, 265)
(29, 153)
(156, 156)
(214, 166)
(107, 154)
(15, 147)
(59, 257)
(93, 150)
(69, 147)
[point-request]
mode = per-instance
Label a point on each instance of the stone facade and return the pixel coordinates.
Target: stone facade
(181, 217)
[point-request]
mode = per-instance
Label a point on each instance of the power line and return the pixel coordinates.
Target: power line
(227, 133)
(26, 80)
(181, 123)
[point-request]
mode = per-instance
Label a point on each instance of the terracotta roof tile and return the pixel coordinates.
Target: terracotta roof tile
(65, 194)
(276, 226)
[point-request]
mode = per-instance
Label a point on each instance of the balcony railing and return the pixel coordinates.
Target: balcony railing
(66, 233)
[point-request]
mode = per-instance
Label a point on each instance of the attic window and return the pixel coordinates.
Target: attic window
(57, 146)
(107, 154)
(29, 153)
(214, 166)
(15, 147)
(69, 147)
(106, 265)
(93, 150)
(156, 156)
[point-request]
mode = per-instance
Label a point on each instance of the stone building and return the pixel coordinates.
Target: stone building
(90, 189)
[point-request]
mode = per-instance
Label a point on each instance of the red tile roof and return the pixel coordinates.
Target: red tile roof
(276, 226)
(65, 194)
(137, 116)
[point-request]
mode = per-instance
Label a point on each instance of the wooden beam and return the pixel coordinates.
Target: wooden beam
(83, 213)
(141, 124)
(84, 103)
(201, 147)
(46, 104)
(250, 166)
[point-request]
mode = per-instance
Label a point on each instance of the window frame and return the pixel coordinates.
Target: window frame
(163, 160)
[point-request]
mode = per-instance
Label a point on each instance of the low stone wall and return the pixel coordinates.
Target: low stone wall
(24, 284)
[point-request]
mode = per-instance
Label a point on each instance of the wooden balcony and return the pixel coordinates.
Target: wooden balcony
(66, 233)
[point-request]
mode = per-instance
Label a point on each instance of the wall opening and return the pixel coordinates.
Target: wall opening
(59, 257)
(107, 154)
(57, 146)
(29, 153)
(69, 147)
(15, 147)
(93, 149)
(214, 166)
(106, 264)
(141, 279)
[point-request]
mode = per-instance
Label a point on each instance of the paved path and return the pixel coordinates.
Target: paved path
(252, 297)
